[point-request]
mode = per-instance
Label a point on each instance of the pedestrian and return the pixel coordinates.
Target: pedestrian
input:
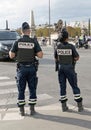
(26, 49)
(67, 55)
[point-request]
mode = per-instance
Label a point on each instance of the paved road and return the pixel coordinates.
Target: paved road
(48, 91)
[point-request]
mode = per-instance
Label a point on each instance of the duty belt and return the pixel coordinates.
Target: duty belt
(24, 65)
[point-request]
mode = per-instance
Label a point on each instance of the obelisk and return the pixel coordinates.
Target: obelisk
(32, 25)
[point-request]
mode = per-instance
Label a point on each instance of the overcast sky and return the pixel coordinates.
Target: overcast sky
(18, 11)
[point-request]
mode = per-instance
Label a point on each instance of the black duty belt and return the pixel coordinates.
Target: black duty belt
(24, 65)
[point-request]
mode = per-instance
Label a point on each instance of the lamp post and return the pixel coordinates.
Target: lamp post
(49, 25)
(89, 27)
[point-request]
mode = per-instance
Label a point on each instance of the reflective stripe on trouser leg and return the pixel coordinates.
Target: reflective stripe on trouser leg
(77, 97)
(21, 103)
(32, 101)
(63, 98)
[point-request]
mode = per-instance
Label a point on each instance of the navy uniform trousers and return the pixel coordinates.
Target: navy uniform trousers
(26, 74)
(67, 72)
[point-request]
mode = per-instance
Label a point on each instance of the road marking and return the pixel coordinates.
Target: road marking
(4, 77)
(55, 106)
(0, 117)
(13, 116)
(44, 97)
(13, 100)
(7, 91)
(7, 83)
(13, 113)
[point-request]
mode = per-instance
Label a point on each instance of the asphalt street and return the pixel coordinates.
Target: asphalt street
(47, 80)
(48, 94)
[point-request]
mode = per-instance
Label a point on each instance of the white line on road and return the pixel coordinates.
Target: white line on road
(13, 113)
(7, 91)
(7, 83)
(4, 77)
(13, 100)
(13, 116)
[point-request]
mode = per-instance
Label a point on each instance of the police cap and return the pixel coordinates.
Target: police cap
(63, 35)
(25, 25)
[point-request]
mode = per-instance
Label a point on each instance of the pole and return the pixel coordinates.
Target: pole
(65, 24)
(7, 25)
(49, 25)
(89, 26)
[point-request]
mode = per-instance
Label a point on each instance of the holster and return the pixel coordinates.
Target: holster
(56, 66)
(36, 63)
(18, 66)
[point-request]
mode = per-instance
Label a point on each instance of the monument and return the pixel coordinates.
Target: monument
(32, 24)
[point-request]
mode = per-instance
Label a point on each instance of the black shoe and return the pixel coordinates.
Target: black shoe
(22, 111)
(80, 106)
(32, 110)
(64, 107)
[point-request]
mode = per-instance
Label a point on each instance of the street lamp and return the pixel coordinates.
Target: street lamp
(49, 25)
(89, 27)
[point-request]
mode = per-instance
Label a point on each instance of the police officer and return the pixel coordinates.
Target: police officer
(25, 50)
(66, 55)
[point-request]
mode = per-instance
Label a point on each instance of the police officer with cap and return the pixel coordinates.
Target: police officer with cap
(66, 55)
(26, 50)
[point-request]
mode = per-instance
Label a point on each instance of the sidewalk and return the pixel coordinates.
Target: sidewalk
(47, 118)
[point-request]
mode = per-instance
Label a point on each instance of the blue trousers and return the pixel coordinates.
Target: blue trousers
(26, 75)
(67, 72)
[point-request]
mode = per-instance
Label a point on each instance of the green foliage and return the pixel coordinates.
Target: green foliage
(43, 32)
(74, 31)
(19, 31)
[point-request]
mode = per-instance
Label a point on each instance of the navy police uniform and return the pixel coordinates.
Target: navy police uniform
(25, 49)
(65, 54)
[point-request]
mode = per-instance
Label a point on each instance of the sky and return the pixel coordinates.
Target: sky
(19, 11)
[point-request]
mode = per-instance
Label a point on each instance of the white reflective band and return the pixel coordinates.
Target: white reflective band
(32, 100)
(21, 103)
(76, 94)
(77, 97)
(21, 100)
(25, 45)
(63, 96)
(64, 51)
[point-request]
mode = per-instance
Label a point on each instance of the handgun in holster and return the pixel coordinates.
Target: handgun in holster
(36, 62)
(56, 65)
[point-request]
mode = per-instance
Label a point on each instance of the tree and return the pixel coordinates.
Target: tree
(74, 31)
(19, 31)
(43, 32)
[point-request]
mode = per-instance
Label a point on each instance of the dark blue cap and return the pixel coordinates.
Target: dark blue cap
(25, 25)
(64, 34)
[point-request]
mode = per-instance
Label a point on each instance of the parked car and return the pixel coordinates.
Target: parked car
(7, 38)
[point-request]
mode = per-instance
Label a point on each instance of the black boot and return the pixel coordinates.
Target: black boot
(22, 111)
(64, 107)
(80, 106)
(32, 110)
